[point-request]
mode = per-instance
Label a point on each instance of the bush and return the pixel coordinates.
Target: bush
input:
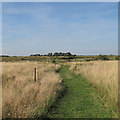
(87, 59)
(23, 58)
(53, 61)
(117, 58)
(103, 57)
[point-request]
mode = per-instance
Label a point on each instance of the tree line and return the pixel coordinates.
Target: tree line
(55, 54)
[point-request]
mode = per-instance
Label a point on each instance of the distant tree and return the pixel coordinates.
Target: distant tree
(60, 54)
(49, 54)
(35, 55)
(56, 54)
(4, 56)
(68, 54)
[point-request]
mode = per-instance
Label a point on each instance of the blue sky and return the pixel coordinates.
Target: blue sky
(81, 28)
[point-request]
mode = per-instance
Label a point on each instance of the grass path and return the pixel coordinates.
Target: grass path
(80, 100)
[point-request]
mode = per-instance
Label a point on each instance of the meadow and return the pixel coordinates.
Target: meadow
(103, 75)
(24, 98)
(21, 96)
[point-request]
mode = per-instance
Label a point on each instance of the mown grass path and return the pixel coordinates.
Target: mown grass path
(80, 100)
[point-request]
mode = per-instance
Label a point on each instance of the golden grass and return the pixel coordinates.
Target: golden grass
(103, 75)
(21, 97)
(0, 90)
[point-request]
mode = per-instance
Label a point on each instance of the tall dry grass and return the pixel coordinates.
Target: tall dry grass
(21, 97)
(104, 76)
(0, 90)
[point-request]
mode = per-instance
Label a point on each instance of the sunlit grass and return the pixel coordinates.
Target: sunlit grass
(21, 97)
(104, 76)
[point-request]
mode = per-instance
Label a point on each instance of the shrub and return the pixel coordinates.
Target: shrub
(103, 57)
(117, 58)
(53, 61)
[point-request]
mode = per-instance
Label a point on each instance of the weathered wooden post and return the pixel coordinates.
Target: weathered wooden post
(34, 74)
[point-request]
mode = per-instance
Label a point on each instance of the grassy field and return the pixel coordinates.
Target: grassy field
(86, 81)
(22, 98)
(104, 76)
(80, 99)
(58, 58)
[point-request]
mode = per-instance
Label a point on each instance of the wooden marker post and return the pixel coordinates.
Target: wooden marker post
(34, 74)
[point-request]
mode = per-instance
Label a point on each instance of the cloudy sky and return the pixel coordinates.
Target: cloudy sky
(81, 28)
